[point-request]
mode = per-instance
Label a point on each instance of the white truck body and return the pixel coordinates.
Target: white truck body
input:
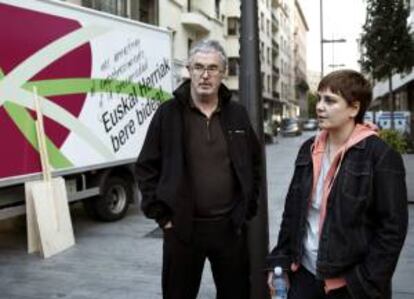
(100, 78)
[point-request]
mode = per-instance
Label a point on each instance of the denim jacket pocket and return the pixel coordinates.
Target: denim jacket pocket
(357, 177)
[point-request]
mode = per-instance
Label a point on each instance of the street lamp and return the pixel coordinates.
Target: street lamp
(332, 41)
(339, 40)
(323, 41)
(334, 65)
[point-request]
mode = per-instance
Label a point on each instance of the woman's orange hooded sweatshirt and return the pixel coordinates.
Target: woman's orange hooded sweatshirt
(360, 132)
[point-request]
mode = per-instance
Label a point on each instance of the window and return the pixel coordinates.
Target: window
(217, 8)
(262, 51)
(262, 20)
(116, 7)
(189, 45)
(263, 80)
(268, 27)
(274, 81)
(269, 55)
(148, 11)
(233, 26)
(234, 66)
(269, 84)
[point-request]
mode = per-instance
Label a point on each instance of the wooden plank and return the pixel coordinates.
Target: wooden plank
(53, 224)
(41, 137)
(49, 226)
(33, 238)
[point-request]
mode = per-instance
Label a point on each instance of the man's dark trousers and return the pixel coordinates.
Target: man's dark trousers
(226, 250)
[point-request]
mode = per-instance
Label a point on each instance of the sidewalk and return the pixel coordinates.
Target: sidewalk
(122, 260)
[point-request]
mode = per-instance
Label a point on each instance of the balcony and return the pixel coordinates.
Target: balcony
(275, 72)
(276, 95)
(275, 44)
(275, 53)
(196, 20)
(275, 22)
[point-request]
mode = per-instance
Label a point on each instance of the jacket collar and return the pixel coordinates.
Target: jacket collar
(357, 138)
(183, 93)
(361, 144)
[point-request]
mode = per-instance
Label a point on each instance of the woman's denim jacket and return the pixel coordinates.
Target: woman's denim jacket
(366, 220)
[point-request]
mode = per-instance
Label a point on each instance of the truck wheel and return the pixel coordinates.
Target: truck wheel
(113, 202)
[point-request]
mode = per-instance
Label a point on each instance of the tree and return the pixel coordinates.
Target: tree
(312, 100)
(387, 43)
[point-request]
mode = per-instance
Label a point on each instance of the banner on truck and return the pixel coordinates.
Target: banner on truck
(100, 79)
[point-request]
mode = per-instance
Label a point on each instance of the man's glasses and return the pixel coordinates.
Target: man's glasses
(199, 69)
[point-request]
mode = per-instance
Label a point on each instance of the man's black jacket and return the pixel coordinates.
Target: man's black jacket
(366, 218)
(162, 171)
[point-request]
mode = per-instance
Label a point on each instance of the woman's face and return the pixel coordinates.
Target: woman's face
(334, 112)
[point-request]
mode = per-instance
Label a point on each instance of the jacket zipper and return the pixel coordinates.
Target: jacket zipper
(208, 129)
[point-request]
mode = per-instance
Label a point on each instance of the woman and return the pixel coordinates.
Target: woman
(345, 216)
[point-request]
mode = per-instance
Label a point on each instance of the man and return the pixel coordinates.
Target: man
(199, 174)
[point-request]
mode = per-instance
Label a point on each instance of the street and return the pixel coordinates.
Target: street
(122, 260)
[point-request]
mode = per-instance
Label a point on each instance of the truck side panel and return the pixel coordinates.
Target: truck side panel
(100, 79)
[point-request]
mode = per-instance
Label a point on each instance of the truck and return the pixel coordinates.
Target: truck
(100, 79)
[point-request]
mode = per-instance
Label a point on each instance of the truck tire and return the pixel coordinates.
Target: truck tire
(113, 202)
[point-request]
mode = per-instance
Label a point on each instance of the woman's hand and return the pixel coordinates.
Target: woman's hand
(270, 283)
(293, 267)
(168, 225)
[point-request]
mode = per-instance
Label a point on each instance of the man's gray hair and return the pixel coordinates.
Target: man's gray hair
(207, 46)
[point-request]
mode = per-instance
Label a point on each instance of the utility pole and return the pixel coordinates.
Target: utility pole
(321, 28)
(251, 98)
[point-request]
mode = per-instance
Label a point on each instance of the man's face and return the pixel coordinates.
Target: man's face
(334, 112)
(206, 72)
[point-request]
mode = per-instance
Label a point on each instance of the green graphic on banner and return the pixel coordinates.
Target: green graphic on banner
(55, 87)
(26, 125)
(58, 87)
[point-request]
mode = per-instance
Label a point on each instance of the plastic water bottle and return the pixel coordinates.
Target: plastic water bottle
(279, 283)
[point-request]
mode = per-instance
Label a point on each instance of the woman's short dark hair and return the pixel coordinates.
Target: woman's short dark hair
(352, 86)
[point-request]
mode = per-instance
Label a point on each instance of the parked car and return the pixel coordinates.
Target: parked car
(290, 126)
(310, 124)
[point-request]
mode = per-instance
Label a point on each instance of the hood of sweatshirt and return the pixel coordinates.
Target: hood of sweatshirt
(360, 132)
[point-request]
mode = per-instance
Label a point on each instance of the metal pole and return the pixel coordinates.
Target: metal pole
(392, 102)
(250, 97)
(321, 25)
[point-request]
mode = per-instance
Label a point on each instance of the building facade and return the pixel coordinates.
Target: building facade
(193, 20)
(299, 56)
